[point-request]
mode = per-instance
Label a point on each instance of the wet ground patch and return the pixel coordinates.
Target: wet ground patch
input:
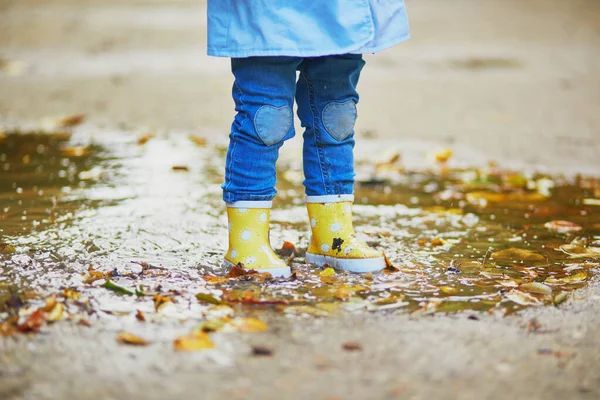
(107, 225)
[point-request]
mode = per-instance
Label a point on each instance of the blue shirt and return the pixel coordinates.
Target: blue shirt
(304, 28)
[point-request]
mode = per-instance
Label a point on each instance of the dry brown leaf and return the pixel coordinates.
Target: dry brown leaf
(524, 299)
(129, 338)
(181, 168)
(33, 322)
(71, 294)
(139, 315)
(352, 346)
(145, 138)
(198, 140)
(192, 342)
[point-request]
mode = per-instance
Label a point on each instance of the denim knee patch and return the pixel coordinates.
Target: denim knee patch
(339, 118)
(272, 123)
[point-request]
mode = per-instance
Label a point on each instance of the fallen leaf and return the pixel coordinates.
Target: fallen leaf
(72, 294)
(536, 287)
(69, 121)
(515, 254)
(571, 279)
(160, 301)
(145, 138)
(33, 322)
(140, 316)
(56, 314)
(388, 264)
(213, 325)
(182, 168)
(116, 288)
(352, 346)
(306, 310)
(327, 272)
(197, 140)
(129, 338)
(262, 351)
(442, 155)
(207, 298)
(521, 298)
(591, 202)
(579, 251)
(287, 249)
(562, 226)
(12, 68)
(6, 248)
(192, 342)
(94, 276)
(75, 151)
(560, 298)
(248, 325)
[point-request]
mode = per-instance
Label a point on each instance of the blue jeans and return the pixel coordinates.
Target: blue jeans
(264, 92)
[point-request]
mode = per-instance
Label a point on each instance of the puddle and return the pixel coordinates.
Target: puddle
(77, 210)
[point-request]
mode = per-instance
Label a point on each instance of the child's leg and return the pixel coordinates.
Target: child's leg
(326, 96)
(263, 92)
(264, 95)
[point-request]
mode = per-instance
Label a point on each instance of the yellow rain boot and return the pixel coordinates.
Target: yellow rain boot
(334, 241)
(249, 241)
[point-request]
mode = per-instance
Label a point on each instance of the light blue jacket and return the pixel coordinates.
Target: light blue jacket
(304, 28)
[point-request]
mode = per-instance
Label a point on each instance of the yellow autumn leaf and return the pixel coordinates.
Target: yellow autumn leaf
(571, 279)
(129, 338)
(515, 254)
(56, 314)
(327, 272)
(246, 324)
(193, 342)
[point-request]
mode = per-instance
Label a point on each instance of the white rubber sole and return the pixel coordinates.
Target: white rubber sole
(283, 272)
(358, 265)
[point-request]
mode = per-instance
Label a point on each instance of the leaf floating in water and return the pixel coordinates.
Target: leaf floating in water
(521, 298)
(247, 325)
(75, 151)
(571, 279)
(327, 272)
(116, 288)
(207, 298)
(129, 338)
(213, 325)
(536, 287)
(562, 226)
(591, 202)
(388, 264)
(515, 254)
(193, 342)
(6, 248)
(577, 251)
(139, 315)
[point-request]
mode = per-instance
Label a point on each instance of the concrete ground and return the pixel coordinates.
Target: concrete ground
(515, 81)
